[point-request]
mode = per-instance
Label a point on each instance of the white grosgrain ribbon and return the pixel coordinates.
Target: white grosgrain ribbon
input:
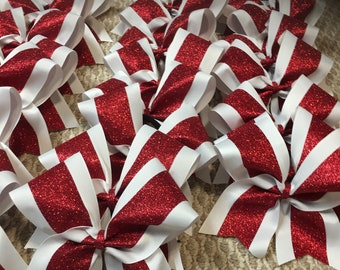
(42, 82)
(10, 111)
(9, 256)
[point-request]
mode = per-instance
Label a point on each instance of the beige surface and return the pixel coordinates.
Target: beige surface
(198, 251)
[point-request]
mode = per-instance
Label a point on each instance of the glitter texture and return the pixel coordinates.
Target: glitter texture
(58, 199)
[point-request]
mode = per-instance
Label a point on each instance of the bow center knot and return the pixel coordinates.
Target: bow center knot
(108, 199)
(285, 193)
(160, 53)
(97, 243)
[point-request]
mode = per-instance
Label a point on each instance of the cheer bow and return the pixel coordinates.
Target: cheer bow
(232, 112)
(290, 64)
(149, 212)
(251, 17)
(179, 85)
(12, 172)
(290, 193)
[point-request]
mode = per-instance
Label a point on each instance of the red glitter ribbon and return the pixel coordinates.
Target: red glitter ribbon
(146, 209)
(250, 17)
(290, 194)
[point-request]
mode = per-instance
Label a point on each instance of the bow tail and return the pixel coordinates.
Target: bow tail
(246, 212)
(317, 237)
(66, 189)
(57, 252)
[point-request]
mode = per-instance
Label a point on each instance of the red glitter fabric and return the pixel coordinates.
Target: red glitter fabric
(65, 6)
(116, 121)
(191, 5)
(19, 66)
(58, 199)
(148, 10)
(301, 8)
(131, 36)
(256, 151)
(51, 116)
(111, 85)
(173, 92)
(84, 55)
(48, 46)
(160, 146)
(317, 131)
(82, 143)
(190, 132)
(145, 208)
(318, 102)
(238, 98)
(232, 37)
(5, 164)
(304, 60)
(67, 257)
(247, 213)
(242, 65)
(308, 239)
(295, 26)
(48, 25)
(180, 21)
(192, 51)
(134, 58)
(24, 139)
(259, 15)
(237, 4)
(7, 24)
(27, 5)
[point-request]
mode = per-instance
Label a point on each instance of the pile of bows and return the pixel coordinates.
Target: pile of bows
(116, 196)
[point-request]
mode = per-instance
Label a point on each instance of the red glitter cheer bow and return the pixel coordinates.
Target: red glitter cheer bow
(233, 113)
(149, 212)
(290, 193)
(290, 64)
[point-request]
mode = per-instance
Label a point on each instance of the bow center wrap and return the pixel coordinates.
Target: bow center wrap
(107, 200)
(97, 243)
(286, 191)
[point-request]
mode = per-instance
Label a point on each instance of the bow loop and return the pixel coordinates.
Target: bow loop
(28, 7)
(181, 84)
(10, 111)
(231, 113)
(13, 28)
(206, 56)
(67, 28)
